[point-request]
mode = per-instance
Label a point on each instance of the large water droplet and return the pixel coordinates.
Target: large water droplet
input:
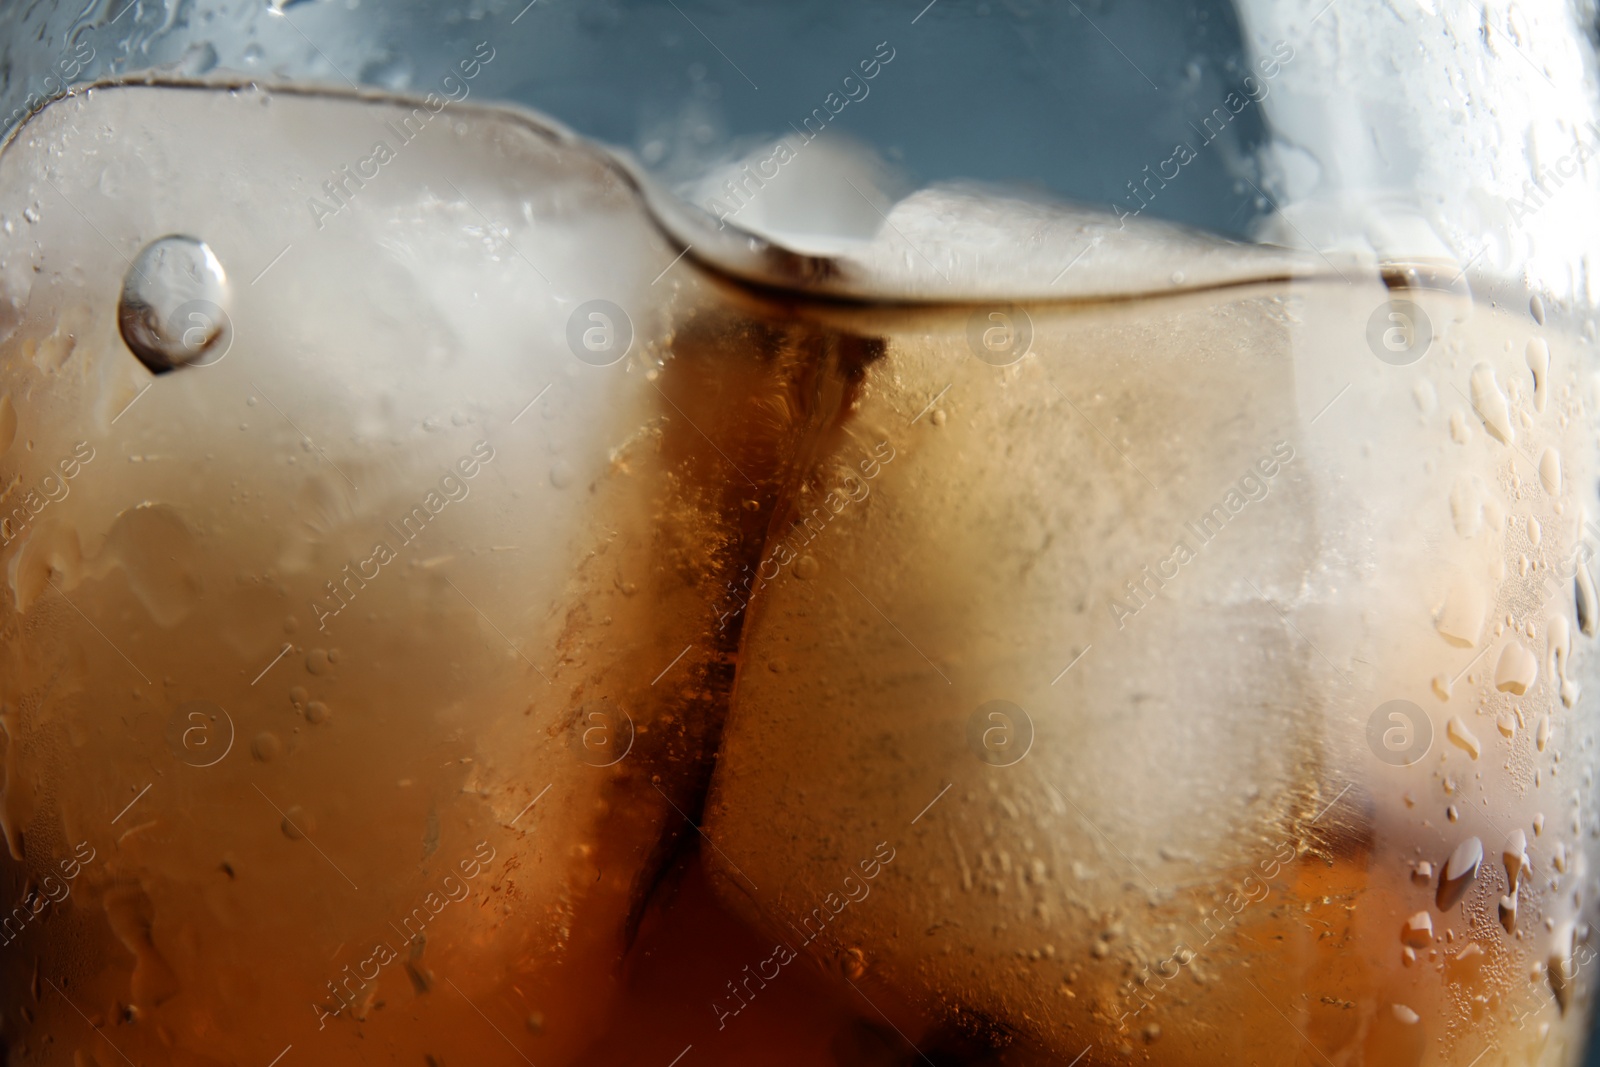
(1517, 670)
(1560, 968)
(1460, 621)
(1418, 930)
(174, 305)
(1550, 471)
(1460, 870)
(1515, 856)
(1462, 737)
(1490, 403)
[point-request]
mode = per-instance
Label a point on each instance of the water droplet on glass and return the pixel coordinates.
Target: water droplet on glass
(266, 746)
(1538, 354)
(1536, 308)
(1584, 594)
(1550, 471)
(1460, 870)
(173, 310)
(1515, 857)
(1461, 619)
(1491, 404)
(1418, 930)
(297, 824)
(8, 424)
(199, 58)
(1517, 670)
(1462, 737)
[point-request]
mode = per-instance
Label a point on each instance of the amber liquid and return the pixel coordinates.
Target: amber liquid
(407, 688)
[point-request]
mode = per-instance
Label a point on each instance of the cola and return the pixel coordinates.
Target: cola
(510, 618)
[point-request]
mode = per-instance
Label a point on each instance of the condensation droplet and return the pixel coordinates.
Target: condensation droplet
(1461, 618)
(1460, 870)
(1515, 857)
(1538, 354)
(1418, 930)
(1490, 403)
(266, 747)
(1462, 737)
(1508, 913)
(173, 309)
(1536, 308)
(1584, 595)
(297, 824)
(8, 424)
(1517, 670)
(1550, 471)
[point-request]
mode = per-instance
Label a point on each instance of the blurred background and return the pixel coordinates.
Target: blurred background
(1064, 98)
(1072, 99)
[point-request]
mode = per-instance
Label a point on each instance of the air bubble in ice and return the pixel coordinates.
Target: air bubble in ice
(173, 310)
